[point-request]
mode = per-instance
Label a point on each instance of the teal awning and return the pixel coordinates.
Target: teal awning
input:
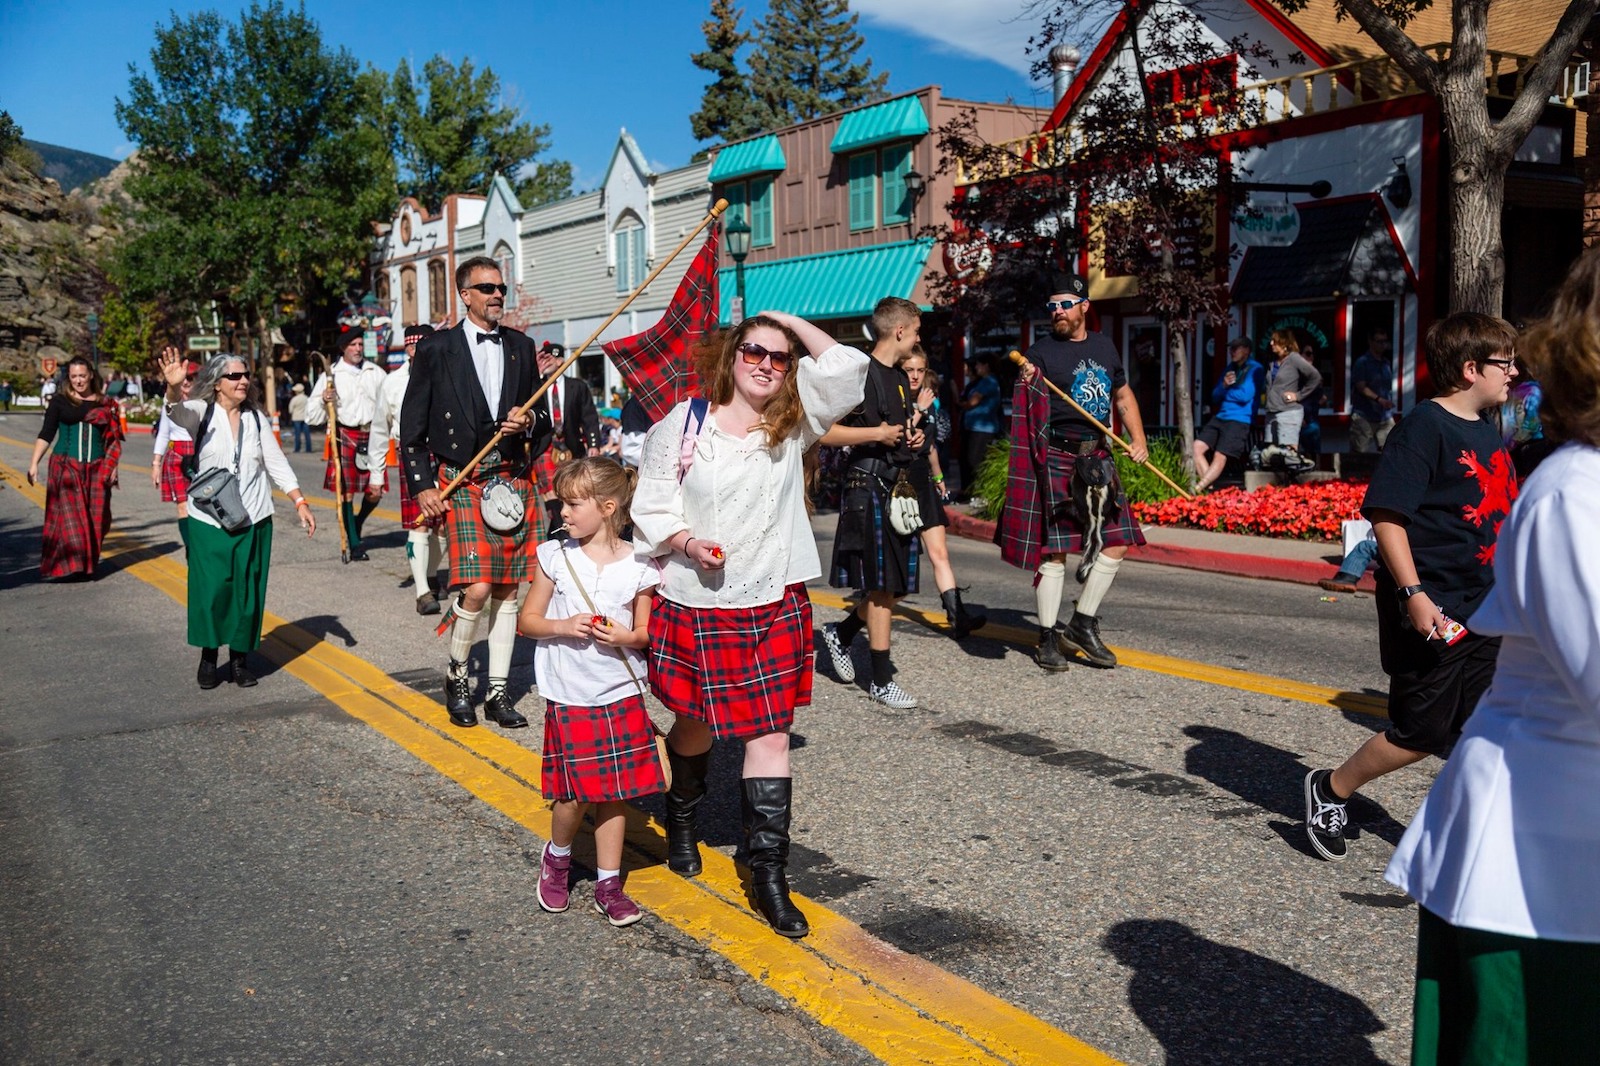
(830, 285)
(761, 156)
(892, 121)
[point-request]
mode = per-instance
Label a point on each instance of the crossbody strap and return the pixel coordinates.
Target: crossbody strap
(593, 610)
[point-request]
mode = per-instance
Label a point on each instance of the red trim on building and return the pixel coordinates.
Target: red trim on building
(1285, 25)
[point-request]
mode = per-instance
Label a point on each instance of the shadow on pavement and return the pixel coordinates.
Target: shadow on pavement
(1210, 1003)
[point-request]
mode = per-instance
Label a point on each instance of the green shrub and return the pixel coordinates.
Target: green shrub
(1138, 482)
(990, 482)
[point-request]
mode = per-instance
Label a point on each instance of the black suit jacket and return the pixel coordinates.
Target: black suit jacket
(580, 421)
(445, 417)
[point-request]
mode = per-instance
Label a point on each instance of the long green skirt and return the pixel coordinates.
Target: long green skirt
(228, 584)
(1488, 999)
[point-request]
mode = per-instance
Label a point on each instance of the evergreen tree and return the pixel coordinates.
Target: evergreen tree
(728, 109)
(807, 62)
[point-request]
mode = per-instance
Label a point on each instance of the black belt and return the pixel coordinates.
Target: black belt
(876, 467)
(1077, 447)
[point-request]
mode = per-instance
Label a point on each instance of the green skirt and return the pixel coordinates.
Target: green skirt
(1488, 999)
(228, 584)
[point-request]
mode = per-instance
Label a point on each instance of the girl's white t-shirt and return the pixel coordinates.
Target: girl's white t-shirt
(581, 672)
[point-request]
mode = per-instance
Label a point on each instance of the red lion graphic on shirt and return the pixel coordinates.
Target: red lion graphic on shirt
(1498, 483)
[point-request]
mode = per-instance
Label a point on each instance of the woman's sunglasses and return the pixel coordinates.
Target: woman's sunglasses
(754, 354)
(237, 375)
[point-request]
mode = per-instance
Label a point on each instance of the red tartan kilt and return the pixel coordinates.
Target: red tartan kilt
(1062, 532)
(356, 480)
(77, 515)
(410, 513)
(174, 486)
(477, 553)
(595, 754)
(741, 670)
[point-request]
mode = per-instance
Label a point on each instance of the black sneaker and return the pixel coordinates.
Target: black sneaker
(1082, 634)
(1325, 816)
(1049, 656)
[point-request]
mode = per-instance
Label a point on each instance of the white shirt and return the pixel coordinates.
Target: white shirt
(584, 673)
(747, 497)
(261, 461)
(168, 431)
(358, 388)
(1508, 840)
(488, 359)
(386, 418)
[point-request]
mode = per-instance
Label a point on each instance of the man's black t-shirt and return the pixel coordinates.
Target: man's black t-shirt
(1090, 371)
(1451, 481)
(887, 398)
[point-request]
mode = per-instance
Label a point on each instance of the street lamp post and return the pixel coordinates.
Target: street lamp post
(738, 231)
(93, 324)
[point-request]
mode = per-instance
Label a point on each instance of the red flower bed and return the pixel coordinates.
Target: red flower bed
(1309, 511)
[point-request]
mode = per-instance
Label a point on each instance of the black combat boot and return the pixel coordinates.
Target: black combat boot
(1049, 656)
(766, 830)
(683, 799)
(962, 620)
(1082, 634)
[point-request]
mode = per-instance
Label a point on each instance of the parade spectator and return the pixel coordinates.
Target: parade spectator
(1503, 858)
(589, 609)
(722, 499)
(931, 495)
(85, 427)
(227, 593)
(980, 420)
(1289, 379)
(1233, 402)
(47, 390)
(424, 536)
(870, 556)
(1040, 525)
(1372, 395)
(5, 392)
(1353, 567)
(298, 401)
(173, 446)
(354, 385)
(1443, 485)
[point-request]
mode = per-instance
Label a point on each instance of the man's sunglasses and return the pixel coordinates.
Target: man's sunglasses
(754, 354)
(1062, 305)
(488, 288)
(237, 375)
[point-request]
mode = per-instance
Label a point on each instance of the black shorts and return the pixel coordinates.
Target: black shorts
(1433, 686)
(1229, 438)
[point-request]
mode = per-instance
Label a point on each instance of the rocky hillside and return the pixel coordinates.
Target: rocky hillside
(50, 246)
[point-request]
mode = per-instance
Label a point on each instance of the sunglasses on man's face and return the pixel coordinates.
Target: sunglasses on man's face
(237, 375)
(1062, 305)
(488, 288)
(754, 354)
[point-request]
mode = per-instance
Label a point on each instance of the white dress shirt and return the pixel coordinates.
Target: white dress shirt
(358, 388)
(488, 359)
(168, 431)
(386, 419)
(261, 461)
(744, 495)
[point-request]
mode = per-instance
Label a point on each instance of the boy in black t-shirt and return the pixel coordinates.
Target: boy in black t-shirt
(1443, 485)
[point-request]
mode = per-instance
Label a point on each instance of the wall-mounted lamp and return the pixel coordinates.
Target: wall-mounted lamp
(916, 185)
(1398, 189)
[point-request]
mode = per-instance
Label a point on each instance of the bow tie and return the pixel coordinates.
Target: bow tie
(493, 337)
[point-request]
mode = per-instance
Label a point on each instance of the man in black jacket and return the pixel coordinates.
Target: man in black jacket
(577, 422)
(467, 383)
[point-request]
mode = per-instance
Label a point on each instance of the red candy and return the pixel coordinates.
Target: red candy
(599, 621)
(716, 552)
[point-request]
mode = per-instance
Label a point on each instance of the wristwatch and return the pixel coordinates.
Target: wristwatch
(1408, 592)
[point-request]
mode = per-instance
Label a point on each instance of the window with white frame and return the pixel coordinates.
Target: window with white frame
(628, 253)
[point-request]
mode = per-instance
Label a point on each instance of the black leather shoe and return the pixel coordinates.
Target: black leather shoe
(498, 709)
(241, 673)
(360, 556)
(1082, 634)
(458, 700)
(428, 603)
(207, 674)
(1049, 656)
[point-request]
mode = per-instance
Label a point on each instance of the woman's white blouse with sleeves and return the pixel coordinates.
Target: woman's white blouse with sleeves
(261, 461)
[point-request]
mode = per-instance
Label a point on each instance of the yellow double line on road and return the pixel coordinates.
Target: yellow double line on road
(898, 1007)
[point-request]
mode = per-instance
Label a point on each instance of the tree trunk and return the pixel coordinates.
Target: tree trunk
(1476, 196)
(1178, 349)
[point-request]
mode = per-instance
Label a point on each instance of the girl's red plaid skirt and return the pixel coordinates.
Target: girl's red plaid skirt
(174, 486)
(595, 754)
(741, 670)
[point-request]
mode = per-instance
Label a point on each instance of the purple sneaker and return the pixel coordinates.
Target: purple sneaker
(611, 901)
(552, 890)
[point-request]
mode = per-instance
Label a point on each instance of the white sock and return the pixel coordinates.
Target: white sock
(435, 552)
(1047, 593)
(463, 633)
(417, 554)
(558, 851)
(502, 638)
(1098, 583)
(601, 875)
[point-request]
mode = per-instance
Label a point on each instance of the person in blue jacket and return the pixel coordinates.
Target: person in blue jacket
(1234, 401)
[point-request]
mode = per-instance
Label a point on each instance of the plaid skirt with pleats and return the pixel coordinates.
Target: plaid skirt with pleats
(478, 553)
(596, 754)
(352, 442)
(410, 513)
(740, 670)
(174, 485)
(77, 516)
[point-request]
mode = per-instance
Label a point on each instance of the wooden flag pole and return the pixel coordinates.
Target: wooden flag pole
(716, 210)
(1016, 357)
(338, 460)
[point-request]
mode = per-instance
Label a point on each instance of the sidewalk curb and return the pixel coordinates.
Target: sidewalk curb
(1265, 567)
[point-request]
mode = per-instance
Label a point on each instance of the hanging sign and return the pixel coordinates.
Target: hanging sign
(1266, 225)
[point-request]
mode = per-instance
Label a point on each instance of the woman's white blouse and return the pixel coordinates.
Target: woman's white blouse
(1508, 840)
(742, 494)
(261, 461)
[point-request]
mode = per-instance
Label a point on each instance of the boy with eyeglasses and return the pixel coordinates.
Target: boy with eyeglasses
(1443, 484)
(1040, 525)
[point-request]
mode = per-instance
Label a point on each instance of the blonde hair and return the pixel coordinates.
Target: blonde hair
(598, 477)
(714, 363)
(1562, 353)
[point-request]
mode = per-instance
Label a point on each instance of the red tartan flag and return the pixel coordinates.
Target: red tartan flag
(658, 364)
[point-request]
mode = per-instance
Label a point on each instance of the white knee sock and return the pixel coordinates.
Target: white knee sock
(502, 638)
(1047, 593)
(419, 556)
(1095, 587)
(463, 633)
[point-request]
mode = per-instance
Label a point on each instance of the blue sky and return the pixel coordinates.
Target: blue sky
(586, 69)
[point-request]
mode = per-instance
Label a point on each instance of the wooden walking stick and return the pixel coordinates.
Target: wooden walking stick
(1017, 357)
(338, 461)
(716, 210)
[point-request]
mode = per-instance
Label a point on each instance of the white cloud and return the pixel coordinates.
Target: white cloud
(995, 30)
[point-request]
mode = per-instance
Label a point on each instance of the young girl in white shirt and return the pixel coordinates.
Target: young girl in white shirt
(589, 609)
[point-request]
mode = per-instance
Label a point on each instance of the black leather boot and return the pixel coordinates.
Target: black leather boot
(962, 620)
(1049, 656)
(766, 830)
(683, 799)
(1082, 634)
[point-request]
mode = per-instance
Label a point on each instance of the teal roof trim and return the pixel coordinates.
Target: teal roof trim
(829, 285)
(894, 120)
(764, 155)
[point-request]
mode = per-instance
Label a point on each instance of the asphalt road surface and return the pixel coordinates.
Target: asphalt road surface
(1087, 867)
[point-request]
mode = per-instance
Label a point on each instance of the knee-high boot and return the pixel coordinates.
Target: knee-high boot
(683, 800)
(766, 829)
